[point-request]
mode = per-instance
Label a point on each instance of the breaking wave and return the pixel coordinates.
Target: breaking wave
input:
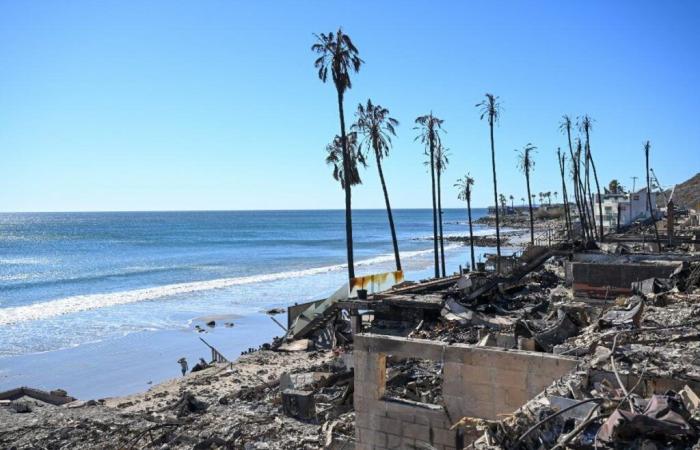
(86, 302)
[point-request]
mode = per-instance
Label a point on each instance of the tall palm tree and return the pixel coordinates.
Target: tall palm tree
(527, 164)
(338, 53)
(512, 199)
(429, 128)
(376, 127)
(647, 148)
(565, 127)
(490, 108)
(334, 157)
(586, 127)
(464, 186)
(441, 162)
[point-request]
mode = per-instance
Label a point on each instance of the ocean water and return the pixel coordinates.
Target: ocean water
(71, 280)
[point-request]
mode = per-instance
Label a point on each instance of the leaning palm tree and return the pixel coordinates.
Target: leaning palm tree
(586, 126)
(334, 157)
(647, 148)
(376, 127)
(441, 161)
(465, 193)
(490, 108)
(429, 127)
(526, 164)
(338, 53)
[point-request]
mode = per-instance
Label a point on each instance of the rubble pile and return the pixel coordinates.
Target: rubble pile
(637, 384)
(414, 379)
(235, 405)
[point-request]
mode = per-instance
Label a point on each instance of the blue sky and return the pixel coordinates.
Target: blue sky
(161, 105)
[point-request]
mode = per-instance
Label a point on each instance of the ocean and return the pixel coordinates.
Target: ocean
(116, 296)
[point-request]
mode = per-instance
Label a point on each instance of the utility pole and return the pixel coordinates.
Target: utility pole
(634, 183)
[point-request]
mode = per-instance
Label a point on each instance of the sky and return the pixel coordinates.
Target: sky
(162, 105)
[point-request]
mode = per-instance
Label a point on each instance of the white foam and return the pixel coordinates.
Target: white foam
(78, 303)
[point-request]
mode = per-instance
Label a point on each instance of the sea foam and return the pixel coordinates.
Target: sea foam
(86, 302)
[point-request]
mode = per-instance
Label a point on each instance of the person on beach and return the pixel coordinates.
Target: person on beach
(183, 365)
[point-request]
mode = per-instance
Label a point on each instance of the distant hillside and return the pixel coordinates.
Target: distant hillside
(687, 193)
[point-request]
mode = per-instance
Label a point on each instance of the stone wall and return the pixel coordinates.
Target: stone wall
(478, 382)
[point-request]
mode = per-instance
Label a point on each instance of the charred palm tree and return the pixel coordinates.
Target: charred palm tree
(377, 127)
(338, 53)
(441, 161)
(464, 186)
(565, 126)
(490, 108)
(527, 164)
(586, 127)
(561, 157)
(647, 148)
(429, 128)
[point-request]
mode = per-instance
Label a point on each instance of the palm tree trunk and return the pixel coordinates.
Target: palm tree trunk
(471, 232)
(442, 244)
(589, 195)
(432, 182)
(600, 198)
(388, 212)
(495, 200)
(348, 191)
(651, 210)
(532, 220)
(567, 212)
(577, 195)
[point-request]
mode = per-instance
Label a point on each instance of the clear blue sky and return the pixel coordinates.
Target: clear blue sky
(150, 105)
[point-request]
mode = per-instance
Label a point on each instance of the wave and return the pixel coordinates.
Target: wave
(86, 302)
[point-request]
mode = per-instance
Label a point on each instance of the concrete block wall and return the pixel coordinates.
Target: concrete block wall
(478, 382)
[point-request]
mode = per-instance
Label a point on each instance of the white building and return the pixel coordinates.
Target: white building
(626, 208)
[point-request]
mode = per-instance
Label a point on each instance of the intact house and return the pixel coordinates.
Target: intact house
(625, 208)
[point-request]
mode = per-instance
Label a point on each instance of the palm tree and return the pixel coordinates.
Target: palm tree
(512, 206)
(441, 161)
(565, 127)
(465, 193)
(526, 165)
(429, 128)
(522, 199)
(334, 157)
(556, 197)
(502, 200)
(586, 127)
(491, 109)
(338, 53)
(614, 186)
(376, 127)
(647, 148)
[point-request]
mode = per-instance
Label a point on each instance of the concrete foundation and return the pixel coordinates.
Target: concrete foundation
(478, 382)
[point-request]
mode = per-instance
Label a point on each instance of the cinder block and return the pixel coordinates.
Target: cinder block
(389, 425)
(479, 392)
(443, 437)
(455, 405)
(417, 432)
(407, 442)
(510, 378)
(479, 374)
(393, 441)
